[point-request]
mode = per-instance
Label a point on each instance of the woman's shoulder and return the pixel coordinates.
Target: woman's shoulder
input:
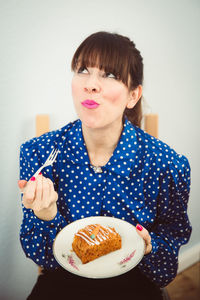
(50, 139)
(160, 152)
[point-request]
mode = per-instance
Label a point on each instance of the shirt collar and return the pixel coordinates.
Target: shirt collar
(122, 158)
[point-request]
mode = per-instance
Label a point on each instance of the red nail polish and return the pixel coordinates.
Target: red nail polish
(40, 173)
(139, 227)
(33, 178)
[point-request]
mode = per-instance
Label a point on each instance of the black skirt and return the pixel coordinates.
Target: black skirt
(59, 284)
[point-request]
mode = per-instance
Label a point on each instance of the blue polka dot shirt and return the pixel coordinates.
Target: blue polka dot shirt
(145, 181)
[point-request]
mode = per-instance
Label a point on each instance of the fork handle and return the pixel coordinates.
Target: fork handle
(38, 171)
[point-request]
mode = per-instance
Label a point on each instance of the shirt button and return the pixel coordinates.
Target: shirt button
(97, 169)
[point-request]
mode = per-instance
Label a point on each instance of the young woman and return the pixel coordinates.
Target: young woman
(106, 166)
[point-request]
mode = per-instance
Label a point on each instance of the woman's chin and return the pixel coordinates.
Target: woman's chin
(91, 125)
(91, 122)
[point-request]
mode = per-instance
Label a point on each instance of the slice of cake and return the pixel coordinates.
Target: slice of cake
(94, 241)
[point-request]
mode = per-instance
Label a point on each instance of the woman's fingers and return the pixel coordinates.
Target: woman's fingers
(46, 193)
(22, 184)
(41, 197)
(38, 193)
(53, 194)
(29, 194)
(48, 208)
(143, 232)
(148, 249)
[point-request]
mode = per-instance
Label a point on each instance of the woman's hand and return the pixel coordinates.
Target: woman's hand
(146, 237)
(40, 196)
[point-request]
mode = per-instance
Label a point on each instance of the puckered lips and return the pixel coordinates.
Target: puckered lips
(91, 104)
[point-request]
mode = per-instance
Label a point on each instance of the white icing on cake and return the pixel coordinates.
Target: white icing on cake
(102, 234)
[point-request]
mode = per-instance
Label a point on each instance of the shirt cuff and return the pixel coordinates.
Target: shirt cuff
(47, 225)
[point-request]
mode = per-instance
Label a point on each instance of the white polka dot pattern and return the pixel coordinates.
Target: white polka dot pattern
(145, 181)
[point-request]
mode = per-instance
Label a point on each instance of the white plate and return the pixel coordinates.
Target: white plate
(109, 265)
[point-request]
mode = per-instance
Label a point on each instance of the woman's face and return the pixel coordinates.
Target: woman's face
(99, 98)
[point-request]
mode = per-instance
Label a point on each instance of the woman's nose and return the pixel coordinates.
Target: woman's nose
(92, 85)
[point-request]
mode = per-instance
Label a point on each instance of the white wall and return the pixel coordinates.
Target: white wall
(38, 38)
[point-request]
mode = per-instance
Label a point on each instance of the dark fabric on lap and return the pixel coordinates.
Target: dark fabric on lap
(59, 284)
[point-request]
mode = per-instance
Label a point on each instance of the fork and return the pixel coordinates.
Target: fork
(50, 160)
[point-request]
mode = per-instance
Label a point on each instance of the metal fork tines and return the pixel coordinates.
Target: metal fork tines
(50, 160)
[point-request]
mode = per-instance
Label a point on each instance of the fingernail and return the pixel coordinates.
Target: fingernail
(40, 173)
(33, 178)
(139, 227)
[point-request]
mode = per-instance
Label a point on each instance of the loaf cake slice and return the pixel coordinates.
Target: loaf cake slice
(94, 241)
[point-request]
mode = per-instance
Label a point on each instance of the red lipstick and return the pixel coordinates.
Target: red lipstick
(90, 104)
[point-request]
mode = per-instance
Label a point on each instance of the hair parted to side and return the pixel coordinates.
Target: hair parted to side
(116, 54)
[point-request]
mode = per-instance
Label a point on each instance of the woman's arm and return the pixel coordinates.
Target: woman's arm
(171, 228)
(37, 235)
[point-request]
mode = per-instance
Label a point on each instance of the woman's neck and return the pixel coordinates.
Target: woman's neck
(101, 142)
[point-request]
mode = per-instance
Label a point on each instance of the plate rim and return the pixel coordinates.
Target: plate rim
(97, 277)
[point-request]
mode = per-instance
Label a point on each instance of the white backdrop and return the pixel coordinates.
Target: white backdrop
(38, 39)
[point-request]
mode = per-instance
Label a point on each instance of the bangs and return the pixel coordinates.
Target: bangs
(106, 52)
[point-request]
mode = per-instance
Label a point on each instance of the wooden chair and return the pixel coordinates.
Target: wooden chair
(165, 294)
(150, 124)
(41, 126)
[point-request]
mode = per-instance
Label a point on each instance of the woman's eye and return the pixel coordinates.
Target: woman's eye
(110, 75)
(83, 70)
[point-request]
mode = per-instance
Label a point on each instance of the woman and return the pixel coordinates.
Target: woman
(106, 166)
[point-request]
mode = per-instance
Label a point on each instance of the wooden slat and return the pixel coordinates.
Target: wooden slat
(186, 285)
(40, 270)
(42, 124)
(151, 124)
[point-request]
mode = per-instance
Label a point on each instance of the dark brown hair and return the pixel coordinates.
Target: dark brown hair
(116, 54)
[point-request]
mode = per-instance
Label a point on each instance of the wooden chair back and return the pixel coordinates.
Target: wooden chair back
(150, 124)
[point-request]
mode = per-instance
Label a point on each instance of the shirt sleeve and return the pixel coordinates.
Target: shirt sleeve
(172, 227)
(37, 236)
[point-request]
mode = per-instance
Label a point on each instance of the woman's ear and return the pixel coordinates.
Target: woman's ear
(135, 96)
